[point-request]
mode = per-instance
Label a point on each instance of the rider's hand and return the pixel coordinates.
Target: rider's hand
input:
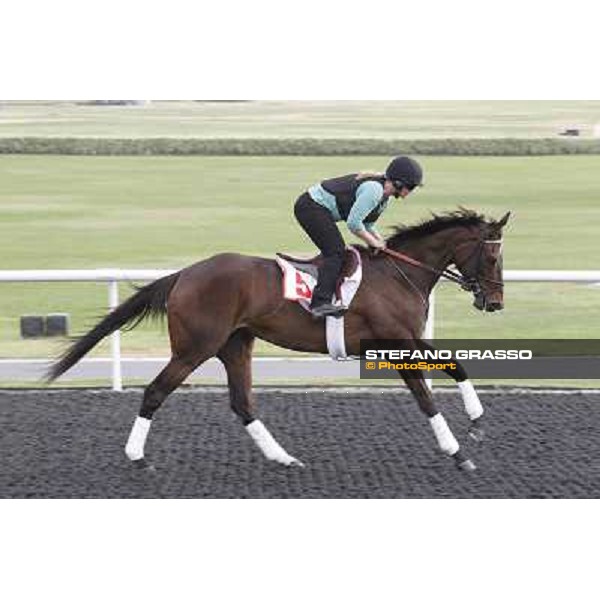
(375, 242)
(377, 246)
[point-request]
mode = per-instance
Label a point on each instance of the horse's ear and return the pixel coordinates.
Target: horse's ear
(502, 222)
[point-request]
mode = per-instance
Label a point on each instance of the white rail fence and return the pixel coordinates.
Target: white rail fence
(113, 276)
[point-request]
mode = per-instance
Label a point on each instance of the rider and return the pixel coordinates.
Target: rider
(358, 199)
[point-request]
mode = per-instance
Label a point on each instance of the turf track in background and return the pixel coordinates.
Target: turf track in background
(69, 444)
(302, 119)
(153, 212)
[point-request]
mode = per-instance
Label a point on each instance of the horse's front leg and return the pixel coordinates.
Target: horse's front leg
(471, 401)
(473, 408)
(444, 436)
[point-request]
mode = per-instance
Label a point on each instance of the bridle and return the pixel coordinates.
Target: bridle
(473, 282)
(469, 283)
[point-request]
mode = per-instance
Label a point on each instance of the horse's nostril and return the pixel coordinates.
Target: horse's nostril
(494, 306)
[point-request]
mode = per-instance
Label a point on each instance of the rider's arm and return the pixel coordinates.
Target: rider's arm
(369, 238)
(370, 227)
(368, 196)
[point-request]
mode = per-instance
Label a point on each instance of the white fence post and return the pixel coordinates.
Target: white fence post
(115, 339)
(429, 331)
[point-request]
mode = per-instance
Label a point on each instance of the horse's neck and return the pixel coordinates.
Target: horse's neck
(435, 250)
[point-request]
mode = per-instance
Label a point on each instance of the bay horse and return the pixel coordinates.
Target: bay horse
(217, 307)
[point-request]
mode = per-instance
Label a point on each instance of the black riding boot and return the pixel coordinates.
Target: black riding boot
(322, 300)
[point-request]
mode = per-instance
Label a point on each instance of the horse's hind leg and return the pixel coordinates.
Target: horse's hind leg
(236, 356)
(167, 380)
(444, 436)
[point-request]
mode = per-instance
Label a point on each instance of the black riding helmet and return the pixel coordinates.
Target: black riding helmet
(405, 172)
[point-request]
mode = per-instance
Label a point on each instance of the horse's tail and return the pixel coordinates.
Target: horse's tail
(148, 301)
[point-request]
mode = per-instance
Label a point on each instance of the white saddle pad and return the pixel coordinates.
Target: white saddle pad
(298, 287)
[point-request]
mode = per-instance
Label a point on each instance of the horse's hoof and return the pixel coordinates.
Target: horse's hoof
(467, 465)
(475, 431)
(476, 434)
(464, 463)
(143, 465)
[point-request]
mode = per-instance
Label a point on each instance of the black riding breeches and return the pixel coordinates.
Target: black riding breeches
(318, 223)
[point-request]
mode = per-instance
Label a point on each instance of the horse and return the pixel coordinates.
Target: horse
(219, 306)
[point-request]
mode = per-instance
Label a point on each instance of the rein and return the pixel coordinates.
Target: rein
(447, 273)
(469, 284)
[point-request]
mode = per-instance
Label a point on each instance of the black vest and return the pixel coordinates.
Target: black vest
(344, 189)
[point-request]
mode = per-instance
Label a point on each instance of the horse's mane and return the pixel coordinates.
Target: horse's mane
(461, 217)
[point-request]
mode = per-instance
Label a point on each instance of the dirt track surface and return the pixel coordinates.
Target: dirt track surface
(69, 444)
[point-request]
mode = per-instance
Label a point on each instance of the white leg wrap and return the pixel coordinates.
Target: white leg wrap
(444, 436)
(267, 443)
(137, 438)
(472, 404)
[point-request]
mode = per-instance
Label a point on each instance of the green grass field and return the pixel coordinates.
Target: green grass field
(89, 212)
(269, 119)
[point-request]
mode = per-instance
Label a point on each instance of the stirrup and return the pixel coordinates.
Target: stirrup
(328, 310)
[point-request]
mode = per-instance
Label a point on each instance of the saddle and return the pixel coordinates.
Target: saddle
(299, 279)
(311, 265)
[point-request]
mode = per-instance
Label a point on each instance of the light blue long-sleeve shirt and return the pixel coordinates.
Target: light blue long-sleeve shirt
(368, 196)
